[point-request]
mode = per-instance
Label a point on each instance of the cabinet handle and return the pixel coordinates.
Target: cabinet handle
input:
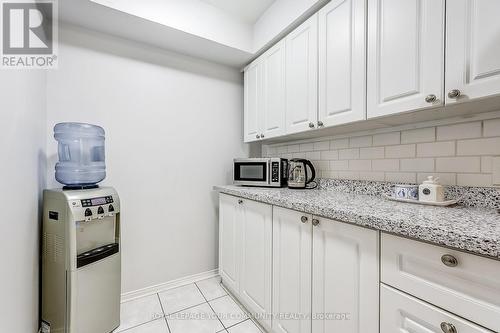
(449, 260)
(257, 136)
(311, 125)
(455, 93)
(320, 123)
(303, 219)
(448, 328)
(430, 98)
(240, 201)
(262, 136)
(315, 222)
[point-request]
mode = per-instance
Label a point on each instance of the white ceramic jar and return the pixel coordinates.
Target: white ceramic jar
(431, 190)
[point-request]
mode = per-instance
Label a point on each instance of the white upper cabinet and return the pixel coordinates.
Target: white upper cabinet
(273, 95)
(405, 55)
(264, 95)
(253, 102)
(345, 277)
(472, 49)
(302, 77)
(342, 62)
(362, 59)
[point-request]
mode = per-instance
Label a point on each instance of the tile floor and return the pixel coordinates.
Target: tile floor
(201, 307)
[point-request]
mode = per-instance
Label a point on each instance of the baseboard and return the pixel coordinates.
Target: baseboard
(128, 296)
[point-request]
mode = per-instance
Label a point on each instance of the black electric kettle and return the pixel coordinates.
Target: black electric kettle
(298, 175)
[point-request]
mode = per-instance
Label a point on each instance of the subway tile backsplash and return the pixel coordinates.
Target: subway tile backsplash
(459, 153)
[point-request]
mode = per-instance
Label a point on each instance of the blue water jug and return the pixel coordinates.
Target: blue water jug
(81, 154)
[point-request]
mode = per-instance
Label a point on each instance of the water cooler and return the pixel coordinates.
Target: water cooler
(81, 261)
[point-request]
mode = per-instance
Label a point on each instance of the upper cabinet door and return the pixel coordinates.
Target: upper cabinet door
(405, 55)
(302, 77)
(252, 102)
(472, 49)
(345, 278)
(342, 62)
(273, 84)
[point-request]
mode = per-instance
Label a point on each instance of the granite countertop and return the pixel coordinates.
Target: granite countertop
(475, 230)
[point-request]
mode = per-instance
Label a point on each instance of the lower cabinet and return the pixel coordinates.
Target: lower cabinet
(403, 313)
(345, 281)
(299, 273)
(255, 258)
(229, 241)
(325, 275)
(245, 231)
(313, 275)
(461, 283)
(292, 248)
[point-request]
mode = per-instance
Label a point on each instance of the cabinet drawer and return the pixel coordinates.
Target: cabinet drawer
(400, 312)
(469, 287)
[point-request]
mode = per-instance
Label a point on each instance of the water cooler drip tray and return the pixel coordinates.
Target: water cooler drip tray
(89, 257)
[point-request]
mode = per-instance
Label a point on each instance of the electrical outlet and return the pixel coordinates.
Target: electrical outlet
(496, 171)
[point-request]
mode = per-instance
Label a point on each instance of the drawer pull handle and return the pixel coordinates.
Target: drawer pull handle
(448, 328)
(303, 219)
(455, 93)
(315, 222)
(449, 260)
(240, 201)
(430, 98)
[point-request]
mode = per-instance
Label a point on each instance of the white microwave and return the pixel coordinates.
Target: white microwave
(268, 172)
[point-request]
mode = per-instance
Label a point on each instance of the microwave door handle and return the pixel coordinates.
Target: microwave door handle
(269, 172)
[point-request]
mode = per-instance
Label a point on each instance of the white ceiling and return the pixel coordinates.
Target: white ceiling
(214, 30)
(246, 10)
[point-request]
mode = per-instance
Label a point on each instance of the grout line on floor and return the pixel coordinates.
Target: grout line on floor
(189, 307)
(225, 329)
(242, 308)
(220, 284)
(162, 310)
(213, 299)
(149, 321)
(249, 314)
(241, 322)
(220, 321)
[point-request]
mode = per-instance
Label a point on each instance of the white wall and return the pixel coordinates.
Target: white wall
(22, 151)
(278, 17)
(173, 125)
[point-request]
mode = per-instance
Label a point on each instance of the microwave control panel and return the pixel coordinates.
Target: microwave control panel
(275, 171)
